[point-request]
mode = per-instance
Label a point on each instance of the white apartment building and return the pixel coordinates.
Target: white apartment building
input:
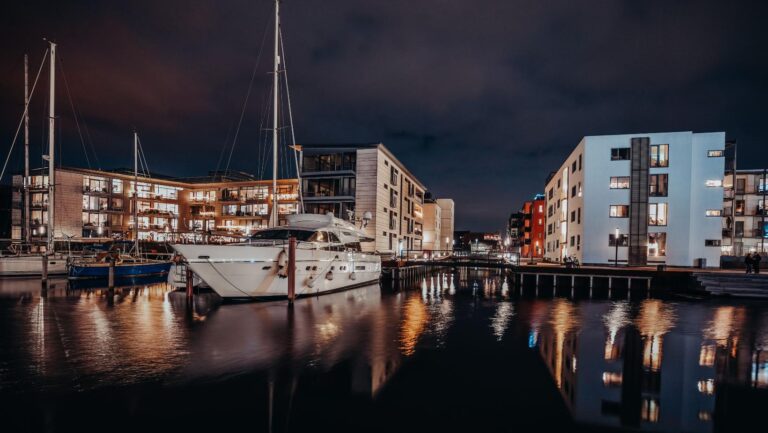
(745, 218)
(661, 192)
(432, 238)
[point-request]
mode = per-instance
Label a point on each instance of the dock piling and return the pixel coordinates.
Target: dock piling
(44, 279)
(190, 282)
(291, 269)
(111, 274)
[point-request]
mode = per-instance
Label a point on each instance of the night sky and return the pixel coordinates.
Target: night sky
(480, 99)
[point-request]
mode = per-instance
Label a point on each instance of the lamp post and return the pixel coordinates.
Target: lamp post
(616, 243)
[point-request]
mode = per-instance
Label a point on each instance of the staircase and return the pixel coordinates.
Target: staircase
(738, 285)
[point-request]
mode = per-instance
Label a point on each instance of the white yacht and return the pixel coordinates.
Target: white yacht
(328, 259)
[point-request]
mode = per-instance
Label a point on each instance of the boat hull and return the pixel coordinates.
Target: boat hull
(252, 272)
(101, 270)
(31, 265)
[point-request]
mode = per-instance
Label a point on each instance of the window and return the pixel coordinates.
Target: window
(619, 182)
(551, 193)
(549, 229)
(619, 211)
(741, 185)
(657, 185)
(657, 214)
(712, 243)
(739, 208)
(620, 154)
(657, 244)
(579, 162)
(660, 155)
(623, 240)
(393, 175)
(573, 241)
(573, 167)
(714, 212)
(580, 190)
(578, 215)
(573, 191)
(715, 153)
(714, 183)
(578, 242)
(573, 216)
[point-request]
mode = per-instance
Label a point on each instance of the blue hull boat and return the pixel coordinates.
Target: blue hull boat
(122, 270)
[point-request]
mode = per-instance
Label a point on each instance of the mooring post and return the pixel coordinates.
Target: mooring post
(111, 274)
(44, 280)
(591, 283)
(291, 269)
(537, 281)
(573, 281)
(189, 281)
(610, 283)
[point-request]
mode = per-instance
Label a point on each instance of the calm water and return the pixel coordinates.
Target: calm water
(460, 352)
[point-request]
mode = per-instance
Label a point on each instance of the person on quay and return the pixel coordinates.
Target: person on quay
(748, 262)
(756, 262)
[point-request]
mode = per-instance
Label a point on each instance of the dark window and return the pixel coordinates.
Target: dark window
(573, 241)
(657, 185)
(623, 240)
(578, 215)
(579, 162)
(741, 185)
(712, 243)
(620, 153)
(739, 229)
(573, 191)
(573, 167)
(282, 234)
(573, 216)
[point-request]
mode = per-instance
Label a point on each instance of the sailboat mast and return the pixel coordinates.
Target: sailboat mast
(26, 150)
(136, 192)
(273, 220)
(51, 147)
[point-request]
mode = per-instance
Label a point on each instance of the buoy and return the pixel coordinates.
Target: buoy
(353, 276)
(329, 275)
(282, 264)
(310, 281)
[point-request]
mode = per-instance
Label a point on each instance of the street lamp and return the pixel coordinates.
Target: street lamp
(616, 242)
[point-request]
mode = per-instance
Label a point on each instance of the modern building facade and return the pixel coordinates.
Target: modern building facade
(432, 240)
(533, 233)
(745, 219)
(658, 195)
(95, 203)
(359, 178)
(448, 222)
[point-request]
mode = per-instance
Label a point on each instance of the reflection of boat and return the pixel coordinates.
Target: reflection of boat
(328, 259)
(120, 282)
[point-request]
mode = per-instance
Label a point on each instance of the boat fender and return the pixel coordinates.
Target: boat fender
(353, 276)
(329, 275)
(282, 264)
(310, 281)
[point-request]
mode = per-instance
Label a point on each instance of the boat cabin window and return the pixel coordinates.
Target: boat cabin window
(323, 236)
(353, 246)
(283, 234)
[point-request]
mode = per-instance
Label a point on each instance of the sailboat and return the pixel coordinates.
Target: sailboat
(125, 265)
(30, 264)
(328, 253)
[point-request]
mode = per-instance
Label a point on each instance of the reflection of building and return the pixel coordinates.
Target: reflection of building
(745, 226)
(653, 368)
(95, 203)
(661, 191)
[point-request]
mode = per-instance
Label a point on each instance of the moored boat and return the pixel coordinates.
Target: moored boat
(125, 267)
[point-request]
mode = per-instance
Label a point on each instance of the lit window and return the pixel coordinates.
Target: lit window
(660, 155)
(707, 355)
(706, 387)
(611, 379)
(715, 153)
(714, 212)
(657, 214)
(657, 244)
(619, 182)
(714, 182)
(619, 211)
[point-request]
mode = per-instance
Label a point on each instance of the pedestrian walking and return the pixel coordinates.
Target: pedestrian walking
(748, 262)
(756, 262)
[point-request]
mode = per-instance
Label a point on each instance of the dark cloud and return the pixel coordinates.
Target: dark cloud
(481, 99)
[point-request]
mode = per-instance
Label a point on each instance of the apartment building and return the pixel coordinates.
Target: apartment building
(745, 223)
(534, 217)
(658, 195)
(432, 237)
(95, 203)
(447, 222)
(359, 178)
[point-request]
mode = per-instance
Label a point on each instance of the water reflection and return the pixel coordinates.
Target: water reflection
(656, 365)
(652, 365)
